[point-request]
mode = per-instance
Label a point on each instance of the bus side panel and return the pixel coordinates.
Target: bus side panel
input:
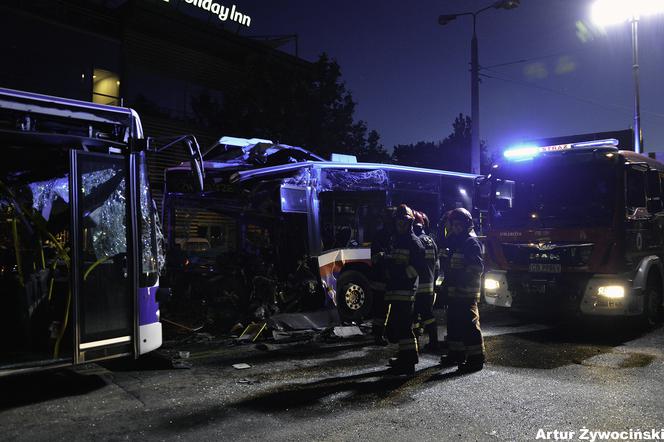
(332, 263)
(149, 327)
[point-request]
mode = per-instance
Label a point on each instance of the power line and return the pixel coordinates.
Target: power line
(526, 60)
(609, 106)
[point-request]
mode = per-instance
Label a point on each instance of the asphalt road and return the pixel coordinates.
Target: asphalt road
(539, 378)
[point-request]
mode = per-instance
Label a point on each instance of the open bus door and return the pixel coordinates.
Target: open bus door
(103, 278)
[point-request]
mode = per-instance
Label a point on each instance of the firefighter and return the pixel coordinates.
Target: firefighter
(426, 297)
(463, 271)
(380, 247)
(406, 254)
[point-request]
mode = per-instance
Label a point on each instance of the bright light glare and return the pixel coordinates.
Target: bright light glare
(521, 152)
(609, 12)
(611, 291)
(491, 284)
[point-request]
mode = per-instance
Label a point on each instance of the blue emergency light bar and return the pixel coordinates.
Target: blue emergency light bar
(527, 152)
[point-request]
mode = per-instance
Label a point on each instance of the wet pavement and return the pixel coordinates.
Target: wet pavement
(598, 376)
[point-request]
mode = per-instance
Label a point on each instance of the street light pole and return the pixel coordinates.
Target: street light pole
(638, 135)
(475, 153)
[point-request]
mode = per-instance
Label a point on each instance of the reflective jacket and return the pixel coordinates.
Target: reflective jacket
(463, 267)
(406, 255)
(431, 266)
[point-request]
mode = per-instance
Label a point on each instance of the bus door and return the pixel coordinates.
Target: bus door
(103, 277)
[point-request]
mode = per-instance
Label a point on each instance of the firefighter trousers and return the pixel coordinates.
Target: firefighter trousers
(399, 329)
(379, 309)
(464, 335)
(424, 317)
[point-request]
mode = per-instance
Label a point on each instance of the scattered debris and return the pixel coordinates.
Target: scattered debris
(347, 331)
(252, 332)
(248, 381)
(317, 320)
(241, 366)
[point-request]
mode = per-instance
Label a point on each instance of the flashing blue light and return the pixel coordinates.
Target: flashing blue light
(524, 152)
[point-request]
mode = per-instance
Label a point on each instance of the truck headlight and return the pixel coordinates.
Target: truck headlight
(611, 291)
(491, 284)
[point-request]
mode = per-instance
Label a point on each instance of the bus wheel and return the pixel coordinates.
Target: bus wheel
(652, 310)
(354, 297)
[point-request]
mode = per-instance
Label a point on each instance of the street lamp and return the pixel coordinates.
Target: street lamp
(475, 77)
(608, 12)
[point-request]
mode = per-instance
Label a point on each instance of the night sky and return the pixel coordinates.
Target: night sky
(410, 75)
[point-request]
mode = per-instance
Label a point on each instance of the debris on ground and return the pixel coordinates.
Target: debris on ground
(347, 331)
(181, 360)
(248, 381)
(241, 366)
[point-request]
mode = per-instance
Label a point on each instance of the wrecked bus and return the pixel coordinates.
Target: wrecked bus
(576, 228)
(301, 226)
(79, 252)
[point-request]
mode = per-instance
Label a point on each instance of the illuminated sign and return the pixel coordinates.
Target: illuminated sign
(224, 13)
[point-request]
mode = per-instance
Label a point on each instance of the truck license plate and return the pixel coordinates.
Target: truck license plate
(544, 268)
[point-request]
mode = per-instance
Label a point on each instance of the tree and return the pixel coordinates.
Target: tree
(452, 153)
(307, 105)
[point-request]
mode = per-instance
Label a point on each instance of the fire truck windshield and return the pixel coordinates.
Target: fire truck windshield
(554, 191)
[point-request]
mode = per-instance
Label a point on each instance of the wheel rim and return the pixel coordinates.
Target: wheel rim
(354, 297)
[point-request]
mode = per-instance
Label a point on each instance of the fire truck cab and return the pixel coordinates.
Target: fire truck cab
(576, 228)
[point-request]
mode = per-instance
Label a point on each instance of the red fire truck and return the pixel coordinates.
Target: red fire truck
(576, 228)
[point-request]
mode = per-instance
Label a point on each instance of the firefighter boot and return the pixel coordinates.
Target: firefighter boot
(433, 346)
(401, 367)
(472, 364)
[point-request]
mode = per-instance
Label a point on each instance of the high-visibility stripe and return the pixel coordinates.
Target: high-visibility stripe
(400, 298)
(425, 285)
(411, 272)
(387, 315)
(429, 321)
(426, 292)
(462, 295)
(400, 292)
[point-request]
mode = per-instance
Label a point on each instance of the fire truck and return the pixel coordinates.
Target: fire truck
(576, 228)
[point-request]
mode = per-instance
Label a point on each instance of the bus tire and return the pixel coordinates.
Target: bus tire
(354, 296)
(652, 308)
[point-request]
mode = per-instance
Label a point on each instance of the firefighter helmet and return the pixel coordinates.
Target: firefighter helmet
(422, 219)
(461, 215)
(404, 212)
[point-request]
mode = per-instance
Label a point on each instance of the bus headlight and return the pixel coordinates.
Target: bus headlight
(611, 291)
(491, 284)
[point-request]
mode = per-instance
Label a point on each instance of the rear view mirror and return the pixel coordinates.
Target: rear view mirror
(653, 191)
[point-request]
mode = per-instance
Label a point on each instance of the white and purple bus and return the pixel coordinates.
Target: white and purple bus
(79, 240)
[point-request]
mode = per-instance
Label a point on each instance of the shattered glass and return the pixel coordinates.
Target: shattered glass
(343, 180)
(108, 232)
(44, 194)
(301, 178)
(152, 255)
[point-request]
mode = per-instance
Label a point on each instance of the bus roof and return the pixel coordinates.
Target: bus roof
(47, 105)
(272, 170)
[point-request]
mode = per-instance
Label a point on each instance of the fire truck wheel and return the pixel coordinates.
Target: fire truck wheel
(652, 310)
(354, 297)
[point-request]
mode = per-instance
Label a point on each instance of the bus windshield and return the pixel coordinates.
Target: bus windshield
(567, 191)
